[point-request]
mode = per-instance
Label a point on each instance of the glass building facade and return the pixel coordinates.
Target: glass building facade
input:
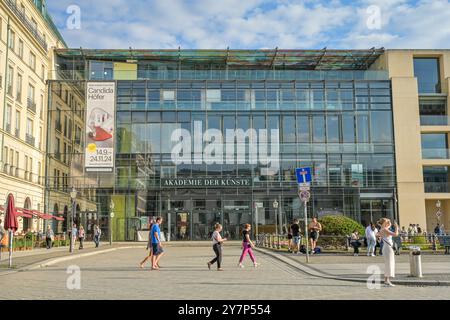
(334, 118)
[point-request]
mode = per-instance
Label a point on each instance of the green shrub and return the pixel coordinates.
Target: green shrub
(340, 226)
(418, 240)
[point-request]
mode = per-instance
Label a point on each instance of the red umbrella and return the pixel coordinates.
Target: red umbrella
(11, 224)
(11, 215)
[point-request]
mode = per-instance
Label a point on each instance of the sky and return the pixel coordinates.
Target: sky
(253, 24)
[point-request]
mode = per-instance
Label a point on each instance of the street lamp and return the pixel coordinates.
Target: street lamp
(111, 215)
(275, 206)
(73, 196)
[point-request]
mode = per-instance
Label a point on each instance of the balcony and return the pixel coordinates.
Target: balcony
(8, 127)
(17, 133)
(434, 120)
(27, 23)
(435, 153)
(31, 105)
(30, 139)
(58, 126)
(19, 97)
(437, 187)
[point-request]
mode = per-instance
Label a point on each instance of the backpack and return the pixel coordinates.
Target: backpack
(210, 234)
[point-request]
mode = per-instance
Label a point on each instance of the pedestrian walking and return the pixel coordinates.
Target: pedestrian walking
(314, 229)
(388, 252)
(371, 237)
(74, 234)
(355, 243)
(97, 235)
(295, 232)
(247, 246)
(149, 246)
(49, 237)
(157, 249)
(217, 241)
(442, 230)
(81, 237)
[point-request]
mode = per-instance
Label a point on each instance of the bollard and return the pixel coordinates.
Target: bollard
(415, 262)
(278, 246)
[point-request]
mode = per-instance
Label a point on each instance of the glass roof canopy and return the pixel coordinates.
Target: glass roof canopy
(324, 59)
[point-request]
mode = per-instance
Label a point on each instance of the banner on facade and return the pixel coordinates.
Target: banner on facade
(205, 182)
(100, 112)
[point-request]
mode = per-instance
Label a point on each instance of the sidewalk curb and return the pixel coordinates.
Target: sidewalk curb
(316, 273)
(53, 261)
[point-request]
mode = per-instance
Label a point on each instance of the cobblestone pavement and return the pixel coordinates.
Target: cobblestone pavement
(434, 267)
(25, 258)
(184, 275)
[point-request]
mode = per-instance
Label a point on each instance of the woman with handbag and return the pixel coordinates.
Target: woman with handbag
(217, 241)
(49, 237)
(388, 252)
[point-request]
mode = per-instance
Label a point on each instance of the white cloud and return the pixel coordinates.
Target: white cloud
(255, 23)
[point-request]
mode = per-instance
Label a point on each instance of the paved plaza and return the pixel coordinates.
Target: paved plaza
(184, 275)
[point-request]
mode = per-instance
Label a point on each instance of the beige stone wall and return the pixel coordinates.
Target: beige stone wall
(18, 57)
(411, 195)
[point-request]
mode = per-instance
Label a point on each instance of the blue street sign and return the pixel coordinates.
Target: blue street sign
(303, 175)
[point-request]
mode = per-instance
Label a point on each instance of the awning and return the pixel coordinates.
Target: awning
(23, 213)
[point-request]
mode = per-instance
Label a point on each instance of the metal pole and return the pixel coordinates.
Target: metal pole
(306, 231)
(110, 229)
(276, 220)
(71, 227)
(11, 235)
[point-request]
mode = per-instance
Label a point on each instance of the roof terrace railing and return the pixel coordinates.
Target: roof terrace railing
(28, 24)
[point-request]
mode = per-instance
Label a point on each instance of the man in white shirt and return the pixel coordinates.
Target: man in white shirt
(371, 237)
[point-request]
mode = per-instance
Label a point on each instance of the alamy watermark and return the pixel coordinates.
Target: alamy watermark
(373, 21)
(73, 281)
(374, 279)
(73, 21)
(211, 147)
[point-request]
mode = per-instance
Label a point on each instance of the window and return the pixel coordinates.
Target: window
(332, 129)
(303, 129)
(41, 110)
(168, 95)
(318, 129)
(8, 117)
(32, 61)
(42, 72)
(433, 111)
(19, 87)
(381, 126)
(426, 70)
(17, 132)
(289, 129)
(348, 128)
(434, 146)
(29, 127)
(11, 39)
(20, 49)
(212, 95)
(363, 128)
(10, 80)
(31, 102)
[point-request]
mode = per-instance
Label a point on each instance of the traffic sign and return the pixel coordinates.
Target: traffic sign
(303, 175)
(304, 195)
(304, 186)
